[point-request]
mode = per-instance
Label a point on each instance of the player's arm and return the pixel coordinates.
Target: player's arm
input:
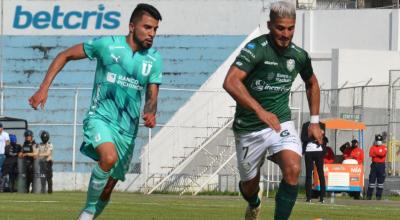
(73, 53)
(313, 97)
(150, 107)
(233, 84)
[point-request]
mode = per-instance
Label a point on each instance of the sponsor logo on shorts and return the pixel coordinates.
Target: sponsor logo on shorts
(285, 133)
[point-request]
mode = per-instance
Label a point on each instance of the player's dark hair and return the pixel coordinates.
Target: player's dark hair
(143, 8)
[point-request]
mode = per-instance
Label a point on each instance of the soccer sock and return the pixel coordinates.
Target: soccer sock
(254, 201)
(97, 182)
(100, 207)
(285, 200)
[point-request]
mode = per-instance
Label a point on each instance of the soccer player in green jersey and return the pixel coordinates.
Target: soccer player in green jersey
(126, 67)
(260, 80)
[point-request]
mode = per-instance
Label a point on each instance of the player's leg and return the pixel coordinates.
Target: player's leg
(289, 162)
(372, 181)
(319, 163)
(380, 170)
(250, 153)
(100, 174)
(105, 196)
(309, 169)
(287, 147)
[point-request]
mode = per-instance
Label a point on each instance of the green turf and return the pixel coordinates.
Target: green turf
(66, 205)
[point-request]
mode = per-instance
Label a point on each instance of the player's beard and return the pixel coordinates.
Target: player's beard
(142, 45)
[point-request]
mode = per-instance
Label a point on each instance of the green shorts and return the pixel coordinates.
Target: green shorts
(96, 132)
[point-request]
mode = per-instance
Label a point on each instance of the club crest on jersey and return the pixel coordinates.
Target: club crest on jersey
(146, 68)
(290, 64)
(270, 76)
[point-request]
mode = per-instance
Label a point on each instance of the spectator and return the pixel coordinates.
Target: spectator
(314, 154)
(10, 166)
(28, 153)
(344, 147)
(329, 155)
(377, 173)
(45, 161)
(354, 152)
(4, 141)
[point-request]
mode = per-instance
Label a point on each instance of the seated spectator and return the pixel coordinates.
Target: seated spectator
(329, 155)
(354, 152)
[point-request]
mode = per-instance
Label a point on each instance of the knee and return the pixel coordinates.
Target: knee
(250, 187)
(291, 174)
(108, 161)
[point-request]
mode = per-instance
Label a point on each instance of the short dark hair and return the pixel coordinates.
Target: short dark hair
(143, 8)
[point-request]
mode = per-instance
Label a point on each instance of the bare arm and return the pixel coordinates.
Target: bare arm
(313, 97)
(150, 107)
(233, 84)
(73, 53)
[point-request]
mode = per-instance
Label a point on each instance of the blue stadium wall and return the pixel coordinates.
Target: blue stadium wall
(188, 62)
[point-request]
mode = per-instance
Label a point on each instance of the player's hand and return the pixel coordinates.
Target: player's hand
(39, 98)
(270, 119)
(149, 120)
(314, 130)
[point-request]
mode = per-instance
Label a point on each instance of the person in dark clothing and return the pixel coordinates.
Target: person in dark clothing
(10, 166)
(45, 149)
(314, 153)
(29, 153)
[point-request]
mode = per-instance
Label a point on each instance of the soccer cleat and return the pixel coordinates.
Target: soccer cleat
(85, 216)
(252, 213)
(308, 200)
(322, 201)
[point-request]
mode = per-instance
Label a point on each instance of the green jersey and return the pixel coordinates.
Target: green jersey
(121, 77)
(270, 74)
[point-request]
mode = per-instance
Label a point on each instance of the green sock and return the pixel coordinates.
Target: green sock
(285, 200)
(100, 207)
(97, 182)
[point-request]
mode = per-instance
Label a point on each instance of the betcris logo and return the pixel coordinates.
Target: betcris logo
(59, 19)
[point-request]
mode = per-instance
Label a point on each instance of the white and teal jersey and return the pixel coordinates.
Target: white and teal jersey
(122, 76)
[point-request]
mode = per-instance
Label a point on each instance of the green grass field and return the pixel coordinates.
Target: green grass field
(66, 205)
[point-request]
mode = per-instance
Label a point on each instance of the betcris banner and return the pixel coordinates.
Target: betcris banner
(67, 17)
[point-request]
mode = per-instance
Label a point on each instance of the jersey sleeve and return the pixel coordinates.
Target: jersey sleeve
(7, 136)
(307, 71)
(156, 72)
(92, 47)
(248, 57)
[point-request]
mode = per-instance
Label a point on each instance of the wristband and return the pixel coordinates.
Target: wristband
(314, 119)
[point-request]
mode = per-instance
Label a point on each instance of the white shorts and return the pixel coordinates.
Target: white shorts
(251, 148)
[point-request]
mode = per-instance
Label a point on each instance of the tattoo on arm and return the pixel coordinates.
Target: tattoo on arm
(151, 99)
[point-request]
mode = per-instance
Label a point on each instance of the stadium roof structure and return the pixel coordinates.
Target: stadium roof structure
(343, 124)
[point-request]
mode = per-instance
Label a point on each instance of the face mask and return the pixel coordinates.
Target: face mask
(379, 143)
